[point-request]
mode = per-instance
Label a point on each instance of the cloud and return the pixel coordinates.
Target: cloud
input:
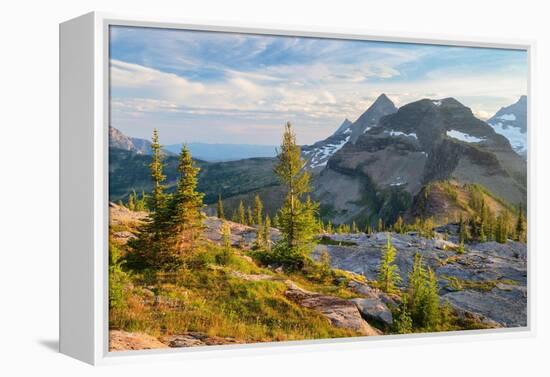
(181, 79)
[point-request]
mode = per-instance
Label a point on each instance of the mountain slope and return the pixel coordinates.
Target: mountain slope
(511, 122)
(130, 171)
(119, 140)
(425, 141)
(317, 155)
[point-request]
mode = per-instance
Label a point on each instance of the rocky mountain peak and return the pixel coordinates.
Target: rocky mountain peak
(382, 106)
(346, 124)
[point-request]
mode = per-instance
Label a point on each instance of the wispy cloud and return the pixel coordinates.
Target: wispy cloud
(205, 86)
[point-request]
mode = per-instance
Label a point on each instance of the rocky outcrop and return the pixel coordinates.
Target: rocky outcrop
(489, 280)
(196, 339)
(374, 305)
(242, 236)
(341, 313)
(126, 341)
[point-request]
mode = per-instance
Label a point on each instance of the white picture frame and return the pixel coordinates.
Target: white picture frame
(84, 111)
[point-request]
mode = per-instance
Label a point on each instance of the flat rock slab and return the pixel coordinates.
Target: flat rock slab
(196, 339)
(506, 304)
(341, 313)
(125, 341)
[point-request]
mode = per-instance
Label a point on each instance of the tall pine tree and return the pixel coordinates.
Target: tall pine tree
(157, 200)
(297, 216)
(184, 210)
(150, 246)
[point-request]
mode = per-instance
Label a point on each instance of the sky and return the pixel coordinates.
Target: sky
(212, 87)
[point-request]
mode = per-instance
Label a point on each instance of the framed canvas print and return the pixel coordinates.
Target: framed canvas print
(236, 189)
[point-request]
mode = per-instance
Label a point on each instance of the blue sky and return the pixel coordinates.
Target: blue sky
(239, 88)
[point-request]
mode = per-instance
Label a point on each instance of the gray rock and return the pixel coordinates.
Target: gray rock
(505, 305)
(374, 309)
(341, 313)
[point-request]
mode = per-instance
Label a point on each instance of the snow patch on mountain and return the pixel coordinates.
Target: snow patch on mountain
(464, 136)
(511, 122)
(399, 133)
(517, 139)
(320, 156)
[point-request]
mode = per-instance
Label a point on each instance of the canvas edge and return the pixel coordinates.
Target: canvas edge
(76, 196)
(101, 354)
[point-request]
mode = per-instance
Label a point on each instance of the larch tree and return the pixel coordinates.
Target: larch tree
(398, 227)
(241, 213)
(219, 208)
(432, 310)
(249, 216)
(297, 217)
(380, 225)
(267, 230)
(258, 220)
(416, 289)
(388, 272)
(521, 227)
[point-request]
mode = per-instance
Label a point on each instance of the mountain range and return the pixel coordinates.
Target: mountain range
(384, 164)
(380, 174)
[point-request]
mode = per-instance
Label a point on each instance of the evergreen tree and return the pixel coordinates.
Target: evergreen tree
(380, 226)
(275, 223)
(226, 235)
(330, 229)
(241, 213)
(398, 227)
(388, 274)
(157, 200)
(402, 323)
(132, 201)
(258, 210)
(431, 307)
(503, 227)
(267, 236)
(416, 289)
(141, 202)
(423, 296)
(184, 209)
(521, 227)
(235, 216)
(219, 208)
(297, 220)
(150, 248)
(463, 234)
(368, 229)
(249, 216)
(325, 265)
